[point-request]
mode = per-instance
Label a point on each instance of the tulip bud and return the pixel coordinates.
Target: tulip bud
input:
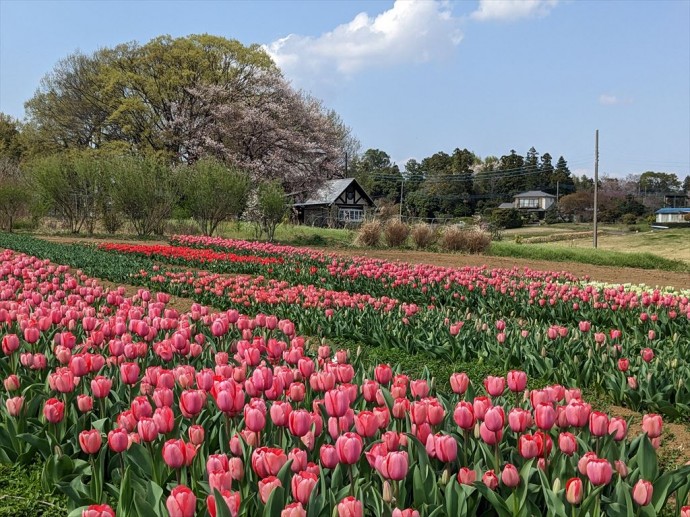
(642, 492)
(556, 485)
(445, 477)
(387, 492)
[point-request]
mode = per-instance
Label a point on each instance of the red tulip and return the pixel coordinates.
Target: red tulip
(10, 343)
(90, 441)
(647, 354)
(98, 510)
(299, 460)
(266, 486)
(192, 402)
(574, 491)
(349, 448)
(599, 471)
(174, 453)
(350, 507)
(302, 485)
(685, 511)
(623, 364)
(510, 476)
(181, 502)
(54, 410)
(652, 425)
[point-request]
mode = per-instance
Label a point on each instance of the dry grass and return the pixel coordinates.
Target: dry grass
(369, 234)
(469, 241)
(395, 233)
(423, 235)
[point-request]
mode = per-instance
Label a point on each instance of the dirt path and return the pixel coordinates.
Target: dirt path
(613, 275)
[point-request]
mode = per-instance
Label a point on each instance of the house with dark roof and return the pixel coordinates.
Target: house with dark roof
(532, 201)
(340, 202)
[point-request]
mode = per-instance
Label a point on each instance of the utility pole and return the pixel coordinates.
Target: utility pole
(346, 164)
(558, 184)
(402, 188)
(596, 184)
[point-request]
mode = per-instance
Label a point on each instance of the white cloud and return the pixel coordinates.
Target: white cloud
(411, 31)
(509, 10)
(606, 99)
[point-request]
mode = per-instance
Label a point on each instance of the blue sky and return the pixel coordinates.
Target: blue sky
(416, 77)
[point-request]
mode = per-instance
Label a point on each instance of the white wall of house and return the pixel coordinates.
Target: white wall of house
(534, 202)
(670, 218)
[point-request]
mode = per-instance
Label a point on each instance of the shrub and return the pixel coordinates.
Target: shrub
(369, 234)
(395, 233)
(423, 235)
(470, 241)
(629, 219)
(506, 218)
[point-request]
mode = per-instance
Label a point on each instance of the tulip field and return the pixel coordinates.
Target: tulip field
(253, 400)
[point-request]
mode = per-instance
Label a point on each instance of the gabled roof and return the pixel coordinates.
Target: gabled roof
(534, 193)
(673, 211)
(330, 191)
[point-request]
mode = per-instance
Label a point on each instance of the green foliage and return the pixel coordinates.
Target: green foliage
(71, 185)
(552, 215)
(506, 218)
(145, 190)
(272, 207)
(587, 256)
(215, 193)
(21, 494)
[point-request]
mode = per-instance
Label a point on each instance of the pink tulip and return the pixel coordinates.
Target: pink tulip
(54, 410)
(510, 476)
(494, 386)
(544, 416)
(598, 423)
(14, 406)
(350, 507)
(494, 418)
(294, 510)
(519, 420)
(517, 381)
(118, 440)
(652, 425)
(383, 374)
(599, 471)
(129, 373)
(266, 486)
(299, 422)
(181, 502)
(459, 382)
(618, 427)
(567, 443)
(302, 485)
(90, 441)
(490, 479)
(328, 456)
(466, 476)
(408, 512)
(443, 447)
(349, 448)
(394, 465)
(647, 354)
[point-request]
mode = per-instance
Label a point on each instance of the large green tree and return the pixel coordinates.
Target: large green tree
(378, 175)
(659, 183)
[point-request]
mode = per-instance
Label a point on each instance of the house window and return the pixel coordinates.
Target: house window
(350, 215)
(528, 203)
